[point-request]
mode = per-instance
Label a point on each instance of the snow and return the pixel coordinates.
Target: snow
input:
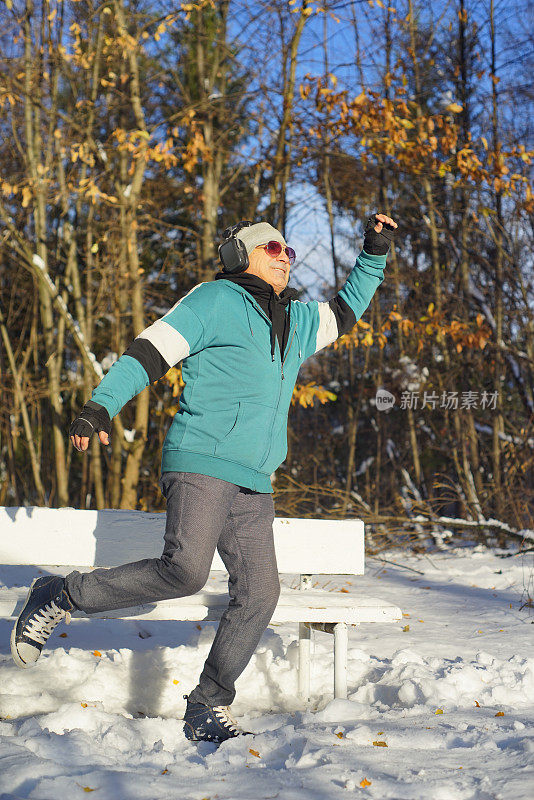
(440, 705)
(108, 361)
(38, 262)
(409, 375)
(504, 436)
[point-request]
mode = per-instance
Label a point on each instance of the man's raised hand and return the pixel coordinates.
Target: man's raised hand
(378, 235)
(93, 418)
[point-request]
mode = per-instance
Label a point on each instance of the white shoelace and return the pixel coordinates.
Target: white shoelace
(43, 623)
(224, 717)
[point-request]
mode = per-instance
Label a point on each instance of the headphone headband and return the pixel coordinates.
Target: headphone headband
(233, 230)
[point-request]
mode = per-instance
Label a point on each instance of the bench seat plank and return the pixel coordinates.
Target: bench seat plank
(293, 606)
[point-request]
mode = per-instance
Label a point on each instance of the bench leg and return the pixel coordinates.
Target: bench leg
(341, 639)
(304, 661)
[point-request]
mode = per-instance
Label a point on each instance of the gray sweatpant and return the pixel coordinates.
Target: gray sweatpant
(203, 513)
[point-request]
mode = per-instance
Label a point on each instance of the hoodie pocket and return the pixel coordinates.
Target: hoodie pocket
(247, 440)
(202, 432)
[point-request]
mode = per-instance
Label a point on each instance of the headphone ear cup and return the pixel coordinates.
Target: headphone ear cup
(233, 255)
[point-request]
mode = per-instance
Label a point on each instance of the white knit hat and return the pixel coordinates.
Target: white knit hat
(260, 233)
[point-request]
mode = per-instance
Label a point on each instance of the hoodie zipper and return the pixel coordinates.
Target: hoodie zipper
(269, 440)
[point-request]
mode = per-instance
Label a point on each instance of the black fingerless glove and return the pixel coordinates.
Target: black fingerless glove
(377, 244)
(93, 418)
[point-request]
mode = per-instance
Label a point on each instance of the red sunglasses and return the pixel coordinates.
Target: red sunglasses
(273, 249)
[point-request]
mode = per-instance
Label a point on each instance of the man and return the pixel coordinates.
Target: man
(242, 339)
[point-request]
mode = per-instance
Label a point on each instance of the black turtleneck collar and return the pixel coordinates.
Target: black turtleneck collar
(272, 304)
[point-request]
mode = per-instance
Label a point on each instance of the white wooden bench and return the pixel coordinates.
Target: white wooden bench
(72, 539)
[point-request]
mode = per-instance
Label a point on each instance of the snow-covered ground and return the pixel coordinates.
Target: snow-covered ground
(440, 706)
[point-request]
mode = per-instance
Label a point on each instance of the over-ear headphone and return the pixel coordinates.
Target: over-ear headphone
(232, 251)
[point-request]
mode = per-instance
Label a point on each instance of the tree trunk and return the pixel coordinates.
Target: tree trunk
(499, 372)
(277, 208)
(36, 469)
(130, 201)
(35, 172)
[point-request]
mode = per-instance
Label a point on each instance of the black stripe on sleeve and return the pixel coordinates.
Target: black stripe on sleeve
(149, 357)
(345, 316)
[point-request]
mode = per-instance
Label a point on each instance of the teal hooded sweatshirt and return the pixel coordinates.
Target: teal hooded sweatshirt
(232, 418)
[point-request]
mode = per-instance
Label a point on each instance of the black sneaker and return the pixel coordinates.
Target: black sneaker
(47, 604)
(210, 723)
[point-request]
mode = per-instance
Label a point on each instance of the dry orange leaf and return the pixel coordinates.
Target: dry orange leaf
(364, 783)
(477, 704)
(499, 714)
(254, 753)
(98, 654)
(406, 629)
(83, 705)
(62, 635)
(339, 735)
(164, 772)
(344, 590)
(438, 711)
(380, 744)
(175, 682)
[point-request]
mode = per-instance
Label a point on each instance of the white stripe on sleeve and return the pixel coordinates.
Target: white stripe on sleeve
(167, 340)
(327, 331)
